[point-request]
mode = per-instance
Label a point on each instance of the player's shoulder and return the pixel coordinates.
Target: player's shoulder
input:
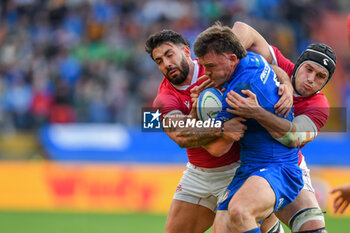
(201, 70)
(275, 52)
(250, 64)
(280, 60)
(164, 85)
(316, 107)
(164, 97)
(256, 60)
(166, 88)
(261, 70)
(253, 58)
(318, 99)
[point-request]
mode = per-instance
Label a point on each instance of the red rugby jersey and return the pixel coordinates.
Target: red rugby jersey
(174, 98)
(316, 107)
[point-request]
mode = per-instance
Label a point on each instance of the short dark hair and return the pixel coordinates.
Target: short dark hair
(220, 39)
(163, 36)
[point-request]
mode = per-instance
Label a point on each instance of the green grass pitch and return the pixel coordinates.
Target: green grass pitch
(39, 222)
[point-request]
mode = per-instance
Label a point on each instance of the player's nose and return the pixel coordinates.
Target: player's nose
(167, 63)
(311, 77)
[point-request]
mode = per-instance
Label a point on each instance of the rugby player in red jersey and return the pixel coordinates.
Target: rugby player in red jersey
(313, 69)
(206, 177)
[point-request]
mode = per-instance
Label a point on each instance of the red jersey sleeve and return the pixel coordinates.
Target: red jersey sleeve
(167, 103)
(283, 62)
(320, 113)
(316, 107)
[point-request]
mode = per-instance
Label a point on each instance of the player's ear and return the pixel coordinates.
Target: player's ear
(233, 58)
(187, 51)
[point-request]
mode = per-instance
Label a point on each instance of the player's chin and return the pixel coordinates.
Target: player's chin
(171, 78)
(308, 92)
(177, 79)
(303, 92)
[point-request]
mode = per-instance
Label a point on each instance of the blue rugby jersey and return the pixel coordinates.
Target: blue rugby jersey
(257, 146)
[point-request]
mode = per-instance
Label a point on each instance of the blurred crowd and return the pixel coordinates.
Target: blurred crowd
(84, 60)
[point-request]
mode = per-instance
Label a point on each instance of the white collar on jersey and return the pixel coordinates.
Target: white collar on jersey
(194, 77)
(297, 95)
(274, 59)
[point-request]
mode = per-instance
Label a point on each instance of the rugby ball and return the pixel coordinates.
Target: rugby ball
(209, 104)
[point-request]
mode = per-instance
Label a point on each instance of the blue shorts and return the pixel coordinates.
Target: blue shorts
(285, 180)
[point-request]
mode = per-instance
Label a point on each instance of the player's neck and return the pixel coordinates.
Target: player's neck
(189, 77)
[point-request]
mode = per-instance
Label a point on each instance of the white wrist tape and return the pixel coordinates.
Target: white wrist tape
(305, 132)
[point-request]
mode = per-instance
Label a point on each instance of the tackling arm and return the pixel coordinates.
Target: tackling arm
(233, 130)
(185, 137)
(282, 76)
(189, 137)
(219, 146)
(252, 40)
(216, 141)
(291, 134)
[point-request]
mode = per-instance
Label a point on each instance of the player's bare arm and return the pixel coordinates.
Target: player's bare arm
(190, 137)
(292, 134)
(218, 147)
(252, 40)
(233, 131)
(222, 137)
(234, 127)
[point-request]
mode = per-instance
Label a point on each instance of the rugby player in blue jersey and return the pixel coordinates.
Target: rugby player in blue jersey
(269, 177)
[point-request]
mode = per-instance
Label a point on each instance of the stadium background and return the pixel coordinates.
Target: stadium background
(74, 78)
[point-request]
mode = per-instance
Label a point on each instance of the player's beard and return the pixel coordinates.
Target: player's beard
(184, 70)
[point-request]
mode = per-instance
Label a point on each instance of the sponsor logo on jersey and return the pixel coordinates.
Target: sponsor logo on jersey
(187, 103)
(265, 73)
